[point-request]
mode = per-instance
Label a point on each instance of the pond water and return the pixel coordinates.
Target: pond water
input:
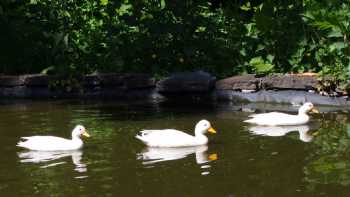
(240, 160)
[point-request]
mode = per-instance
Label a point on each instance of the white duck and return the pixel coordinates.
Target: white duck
(175, 138)
(277, 118)
(51, 143)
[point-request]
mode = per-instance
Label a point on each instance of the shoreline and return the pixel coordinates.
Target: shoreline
(281, 89)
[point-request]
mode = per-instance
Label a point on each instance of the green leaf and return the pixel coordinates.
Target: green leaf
(260, 65)
(270, 58)
(125, 9)
(335, 33)
(162, 4)
(260, 47)
(337, 46)
(103, 2)
(47, 70)
(322, 25)
(246, 7)
(201, 29)
(256, 60)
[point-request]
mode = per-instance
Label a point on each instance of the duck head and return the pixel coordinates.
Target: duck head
(203, 127)
(308, 107)
(79, 131)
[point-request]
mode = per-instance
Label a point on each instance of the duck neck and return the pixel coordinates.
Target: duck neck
(76, 138)
(200, 135)
(302, 113)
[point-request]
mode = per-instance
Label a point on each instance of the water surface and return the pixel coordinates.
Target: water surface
(240, 160)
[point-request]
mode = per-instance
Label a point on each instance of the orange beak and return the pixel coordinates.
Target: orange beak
(85, 134)
(314, 110)
(213, 157)
(211, 130)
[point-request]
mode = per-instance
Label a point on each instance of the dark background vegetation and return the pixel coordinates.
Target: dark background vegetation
(160, 37)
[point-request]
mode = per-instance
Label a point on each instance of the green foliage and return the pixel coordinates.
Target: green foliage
(330, 29)
(260, 65)
(159, 37)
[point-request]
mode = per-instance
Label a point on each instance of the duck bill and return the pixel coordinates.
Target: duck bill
(213, 157)
(315, 111)
(211, 130)
(85, 134)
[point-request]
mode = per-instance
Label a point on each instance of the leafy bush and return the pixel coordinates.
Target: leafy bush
(159, 37)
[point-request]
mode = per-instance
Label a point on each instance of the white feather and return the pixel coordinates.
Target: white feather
(277, 118)
(175, 138)
(52, 143)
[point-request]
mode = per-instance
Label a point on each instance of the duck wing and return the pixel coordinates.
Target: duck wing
(277, 118)
(165, 138)
(46, 143)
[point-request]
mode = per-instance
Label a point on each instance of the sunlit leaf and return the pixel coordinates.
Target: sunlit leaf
(335, 33)
(103, 2)
(33, 1)
(246, 7)
(270, 58)
(337, 46)
(162, 4)
(260, 65)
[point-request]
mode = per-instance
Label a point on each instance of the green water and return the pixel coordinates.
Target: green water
(312, 162)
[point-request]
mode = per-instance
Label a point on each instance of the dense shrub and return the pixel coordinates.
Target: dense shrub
(223, 37)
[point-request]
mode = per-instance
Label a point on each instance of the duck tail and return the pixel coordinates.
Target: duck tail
(249, 120)
(20, 144)
(138, 137)
(142, 136)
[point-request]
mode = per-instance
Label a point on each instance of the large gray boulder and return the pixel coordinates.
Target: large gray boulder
(127, 81)
(37, 80)
(138, 81)
(11, 81)
(103, 79)
(242, 82)
(295, 82)
(187, 82)
(281, 96)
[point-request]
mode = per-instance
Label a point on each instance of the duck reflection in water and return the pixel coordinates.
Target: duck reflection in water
(152, 155)
(49, 156)
(276, 131)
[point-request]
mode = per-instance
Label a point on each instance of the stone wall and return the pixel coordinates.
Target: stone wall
(293, 89)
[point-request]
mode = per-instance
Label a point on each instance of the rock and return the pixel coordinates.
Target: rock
(294, 82)
(138, 81)
(128, 81)
(40, 80)
(14, 92)
(11, 81)
(103, 79)
(91, 80)
(187, 82)
(281, 96)
(111, 79)
(244, 82)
